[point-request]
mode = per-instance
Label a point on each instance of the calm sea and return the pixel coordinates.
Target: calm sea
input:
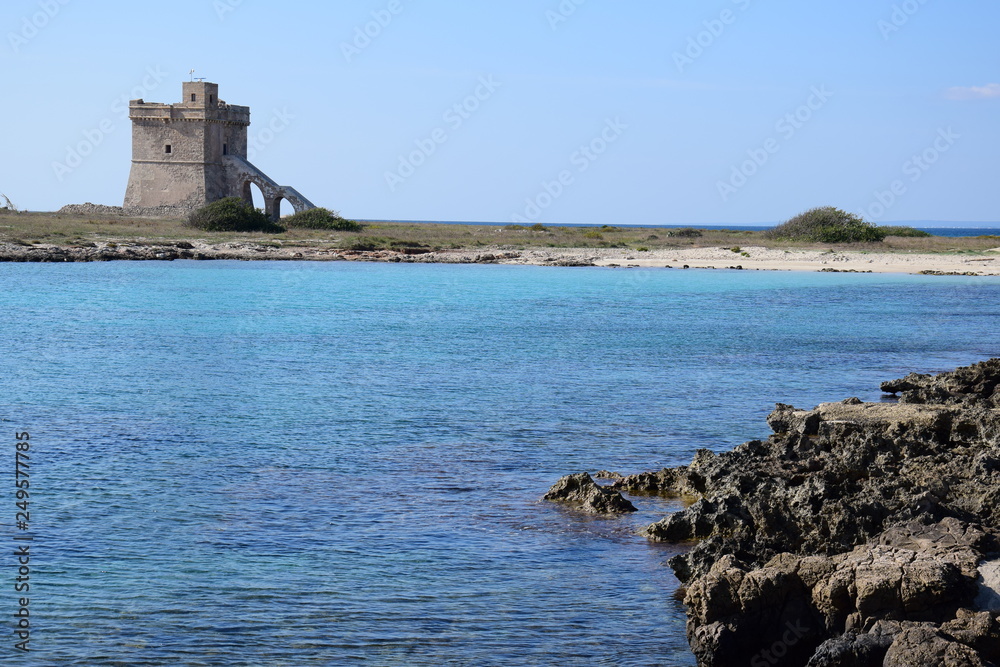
(339, 463)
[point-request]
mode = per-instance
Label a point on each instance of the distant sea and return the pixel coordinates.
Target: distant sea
(341, 463)
(933, 227)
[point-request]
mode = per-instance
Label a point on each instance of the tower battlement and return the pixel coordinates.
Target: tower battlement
(200, 101)
(189, 154)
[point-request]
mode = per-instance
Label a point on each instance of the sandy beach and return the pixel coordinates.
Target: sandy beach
(772, 259)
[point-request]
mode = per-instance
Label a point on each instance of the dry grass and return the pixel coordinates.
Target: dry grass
(62, 229)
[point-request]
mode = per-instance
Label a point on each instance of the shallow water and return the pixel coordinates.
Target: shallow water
(302, 463)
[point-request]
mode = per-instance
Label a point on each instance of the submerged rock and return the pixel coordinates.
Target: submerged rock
(583, 492)
(857, 534)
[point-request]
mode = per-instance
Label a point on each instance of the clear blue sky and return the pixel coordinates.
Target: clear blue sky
(682, 106)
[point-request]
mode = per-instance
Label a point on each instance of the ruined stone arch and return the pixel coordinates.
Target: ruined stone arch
(246, 174)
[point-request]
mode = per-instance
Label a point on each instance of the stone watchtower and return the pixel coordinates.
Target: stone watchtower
(187, 155)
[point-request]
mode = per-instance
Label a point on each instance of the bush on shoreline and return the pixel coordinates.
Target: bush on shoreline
(686, 233)
(906, 232)
(827, 225)
(232, 214)
(320, 218)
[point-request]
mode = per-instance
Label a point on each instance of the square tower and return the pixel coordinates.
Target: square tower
(178, 151)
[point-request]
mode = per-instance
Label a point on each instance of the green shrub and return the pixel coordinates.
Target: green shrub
(827, 225)
(685, 233)
(899, 230)
(736, 249)
(538, 227)
(320, 218)
(642, 248)
(593, 235)
(232, 214)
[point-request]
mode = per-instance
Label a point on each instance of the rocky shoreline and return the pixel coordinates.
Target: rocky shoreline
(749, 258)
(249, 251)
(858, 534)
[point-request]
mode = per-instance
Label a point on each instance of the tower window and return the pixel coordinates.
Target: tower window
(211, 99)
(194, 97)
(169, 149)
(225, 149)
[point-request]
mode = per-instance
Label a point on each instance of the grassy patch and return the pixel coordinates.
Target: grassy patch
(71, 229)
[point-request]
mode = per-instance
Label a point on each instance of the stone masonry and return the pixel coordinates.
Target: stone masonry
(190, 154)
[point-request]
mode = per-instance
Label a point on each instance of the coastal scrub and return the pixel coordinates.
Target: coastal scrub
(232, 214)
(827, 225)
(320, 218)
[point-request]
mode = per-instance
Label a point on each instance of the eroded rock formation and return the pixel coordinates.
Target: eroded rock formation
(857, 534)
(581, 491)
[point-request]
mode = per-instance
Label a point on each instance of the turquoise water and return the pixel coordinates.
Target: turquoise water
(326, 464)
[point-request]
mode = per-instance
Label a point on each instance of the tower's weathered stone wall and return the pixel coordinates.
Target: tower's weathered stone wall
(180, 151)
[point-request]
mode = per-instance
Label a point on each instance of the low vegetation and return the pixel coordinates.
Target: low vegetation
(827, 225)
(73, 229)
(320, 218)
(833, 225)
(232, 214)
(905, 232)
(686, 233)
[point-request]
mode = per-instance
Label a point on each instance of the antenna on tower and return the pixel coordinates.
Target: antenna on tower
(192, 75)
